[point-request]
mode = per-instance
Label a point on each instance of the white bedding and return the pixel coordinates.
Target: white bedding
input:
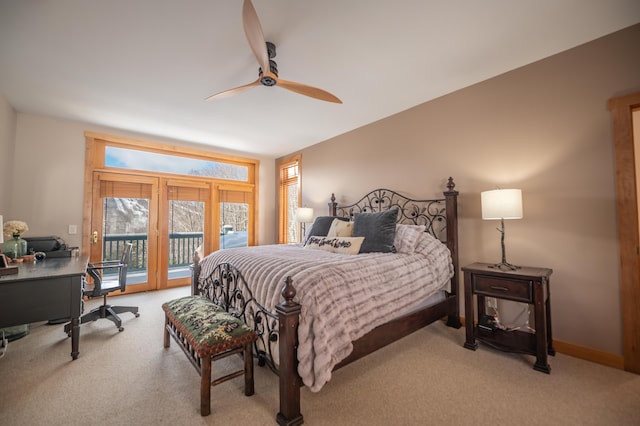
(342, 296)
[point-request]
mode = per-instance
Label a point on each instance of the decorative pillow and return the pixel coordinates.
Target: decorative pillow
(378, 230)
(407, 237)
(341, 245)
(340, 228)
(208, 328)
(321, 225)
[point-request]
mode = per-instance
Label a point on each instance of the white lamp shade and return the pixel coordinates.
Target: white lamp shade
(502, 204)
(304, 215)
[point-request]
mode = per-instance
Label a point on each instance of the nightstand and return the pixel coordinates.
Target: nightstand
(526, 284)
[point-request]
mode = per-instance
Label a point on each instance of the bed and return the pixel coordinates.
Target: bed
(315, 311)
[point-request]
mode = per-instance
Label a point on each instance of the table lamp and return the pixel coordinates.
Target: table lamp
(502, 204)
(304, 215)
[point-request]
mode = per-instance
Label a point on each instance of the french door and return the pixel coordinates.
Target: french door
(185, 218)
(124, 209)
(166, 220)
(234, 216)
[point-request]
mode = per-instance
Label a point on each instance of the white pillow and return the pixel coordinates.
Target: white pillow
(341, 245)
(340, 228)
(407, 237)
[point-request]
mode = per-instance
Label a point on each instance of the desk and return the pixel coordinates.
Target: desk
(42, 291)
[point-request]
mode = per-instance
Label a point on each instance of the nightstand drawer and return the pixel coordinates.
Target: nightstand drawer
(518, 290)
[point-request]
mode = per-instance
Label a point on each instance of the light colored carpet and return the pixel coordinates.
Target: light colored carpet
(425, 378)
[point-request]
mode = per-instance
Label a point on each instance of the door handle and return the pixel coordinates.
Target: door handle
(94, 237)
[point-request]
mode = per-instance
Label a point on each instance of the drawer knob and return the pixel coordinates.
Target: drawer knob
(495, 287)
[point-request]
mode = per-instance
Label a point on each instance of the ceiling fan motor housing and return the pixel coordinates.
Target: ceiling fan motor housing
(268, 80)
(271, 49)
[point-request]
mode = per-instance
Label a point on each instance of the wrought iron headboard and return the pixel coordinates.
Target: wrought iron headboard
(430, 213)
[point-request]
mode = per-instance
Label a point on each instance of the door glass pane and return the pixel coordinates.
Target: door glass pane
(186, 233)
(234, 224)
(127, 220)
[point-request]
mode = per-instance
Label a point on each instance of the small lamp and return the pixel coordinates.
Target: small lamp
(502, 204)
(304, 215)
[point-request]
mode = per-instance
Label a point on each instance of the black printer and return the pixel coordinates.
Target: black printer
(51, 246)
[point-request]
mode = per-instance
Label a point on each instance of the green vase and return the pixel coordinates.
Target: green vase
(15, 333)
(15, 247)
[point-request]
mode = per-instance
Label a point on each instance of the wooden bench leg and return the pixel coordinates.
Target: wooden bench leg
(248, 369)
(205, 386)
(167, 337)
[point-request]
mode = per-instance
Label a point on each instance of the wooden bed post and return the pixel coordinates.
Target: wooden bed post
(288, 319)
(195, 274)
(451, 196)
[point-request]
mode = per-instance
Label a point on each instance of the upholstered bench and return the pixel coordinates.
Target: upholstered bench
(207, 333)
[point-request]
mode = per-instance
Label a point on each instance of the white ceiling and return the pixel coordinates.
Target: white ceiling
(147, 65)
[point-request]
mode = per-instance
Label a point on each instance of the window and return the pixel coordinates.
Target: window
(134, 159)
(289, 196)
(172, 201)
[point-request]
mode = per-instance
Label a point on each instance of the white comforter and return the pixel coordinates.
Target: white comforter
(343, 296)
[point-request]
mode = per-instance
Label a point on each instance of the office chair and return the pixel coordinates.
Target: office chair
(102, 286)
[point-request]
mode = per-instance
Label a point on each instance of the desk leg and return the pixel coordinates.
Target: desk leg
(75, 337)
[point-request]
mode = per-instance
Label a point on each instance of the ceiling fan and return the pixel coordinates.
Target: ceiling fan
(268, 71)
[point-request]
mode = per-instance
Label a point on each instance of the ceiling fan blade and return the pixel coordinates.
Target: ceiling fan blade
(310, 91)
(255, 36)
(233, 91)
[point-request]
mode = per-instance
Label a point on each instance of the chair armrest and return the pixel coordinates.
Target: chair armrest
(104, 263)
(103, 267)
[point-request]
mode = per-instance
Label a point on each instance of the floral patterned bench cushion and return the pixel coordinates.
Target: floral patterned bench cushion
(208, 328)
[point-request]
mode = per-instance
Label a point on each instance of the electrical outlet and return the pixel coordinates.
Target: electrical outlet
(73, 229)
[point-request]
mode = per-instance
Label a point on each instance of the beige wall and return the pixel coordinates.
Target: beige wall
(544, 128)
(7, 139)
(49, 174)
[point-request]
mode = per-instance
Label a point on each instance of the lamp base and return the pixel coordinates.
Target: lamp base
(505, 266)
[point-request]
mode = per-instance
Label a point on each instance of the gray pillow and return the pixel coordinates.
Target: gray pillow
(321, 225)
(378, 230)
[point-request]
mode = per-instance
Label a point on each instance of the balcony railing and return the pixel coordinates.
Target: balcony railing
(182, 245)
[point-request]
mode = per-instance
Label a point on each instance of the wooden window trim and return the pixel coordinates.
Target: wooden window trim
(283, 217)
